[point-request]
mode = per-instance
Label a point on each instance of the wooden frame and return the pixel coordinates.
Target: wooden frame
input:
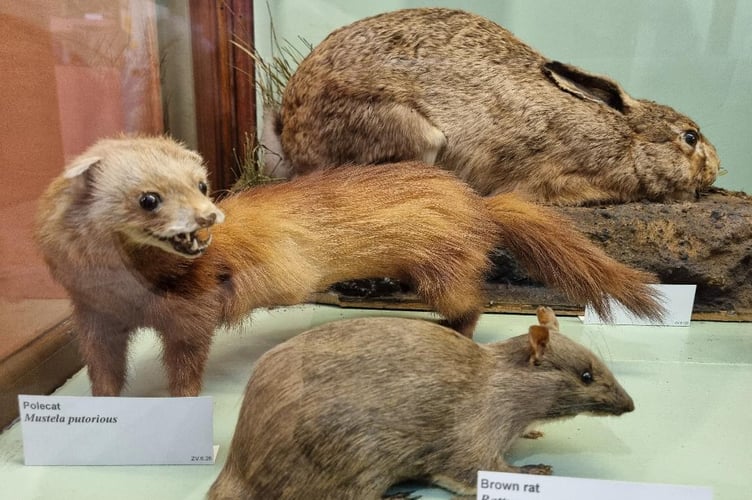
(224, 84)
(38, 368)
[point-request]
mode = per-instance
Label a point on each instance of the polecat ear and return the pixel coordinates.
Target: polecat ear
(538, 337)
(80, 165)
(547, 318)
(195, 156)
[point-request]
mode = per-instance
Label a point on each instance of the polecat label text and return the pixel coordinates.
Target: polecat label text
(62, 430)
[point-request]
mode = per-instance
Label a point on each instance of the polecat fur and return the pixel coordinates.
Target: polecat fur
(125, 230)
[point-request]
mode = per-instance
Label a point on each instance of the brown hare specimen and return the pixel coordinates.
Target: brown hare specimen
(455, 89)
(352, 407)
(125, 230)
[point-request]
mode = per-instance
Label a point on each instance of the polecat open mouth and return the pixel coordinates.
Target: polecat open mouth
(188, 243)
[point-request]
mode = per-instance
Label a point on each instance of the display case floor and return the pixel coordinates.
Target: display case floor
(691, 388)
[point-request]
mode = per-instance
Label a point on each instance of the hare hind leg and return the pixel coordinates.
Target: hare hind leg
(362, 134)
(436, 141)
(424, 141)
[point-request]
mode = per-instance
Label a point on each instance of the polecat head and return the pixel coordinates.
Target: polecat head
(151, 190)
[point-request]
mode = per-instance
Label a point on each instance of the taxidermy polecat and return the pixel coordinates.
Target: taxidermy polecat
(126, 230)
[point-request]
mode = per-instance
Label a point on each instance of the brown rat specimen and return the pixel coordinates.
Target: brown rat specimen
(455, 89)
(352, 407)
(124, 230)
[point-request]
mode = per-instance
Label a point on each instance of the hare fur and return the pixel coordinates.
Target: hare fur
(454, 89)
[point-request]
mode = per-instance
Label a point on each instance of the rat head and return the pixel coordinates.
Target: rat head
(578, 382)
(149, 190)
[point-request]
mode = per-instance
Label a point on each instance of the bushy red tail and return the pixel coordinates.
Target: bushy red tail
(550, 248)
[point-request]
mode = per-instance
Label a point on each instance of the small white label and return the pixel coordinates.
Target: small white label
(507, 486)
(677, 300)
(65, 430)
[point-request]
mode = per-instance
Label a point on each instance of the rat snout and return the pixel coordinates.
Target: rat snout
(625, 404)
(628, 405)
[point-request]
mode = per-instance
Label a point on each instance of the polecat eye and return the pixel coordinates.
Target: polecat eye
(150, 201)
(203, 187)
(691, 137)
(586, 377)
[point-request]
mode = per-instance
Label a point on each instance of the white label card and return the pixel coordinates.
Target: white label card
(677, 300)
(507, 486)
(66, 430)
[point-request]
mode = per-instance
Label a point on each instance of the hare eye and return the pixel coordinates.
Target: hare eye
(691, 137)
(150, 201)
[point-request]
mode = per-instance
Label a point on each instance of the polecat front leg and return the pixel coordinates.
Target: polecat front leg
(184, 358)
(103, 344)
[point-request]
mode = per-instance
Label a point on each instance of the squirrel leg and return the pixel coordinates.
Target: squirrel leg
(464, 325)
(460, 302)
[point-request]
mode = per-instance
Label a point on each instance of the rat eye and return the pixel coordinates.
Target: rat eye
(691, 137)
(203, 187)
(150, 201)
(586, 377)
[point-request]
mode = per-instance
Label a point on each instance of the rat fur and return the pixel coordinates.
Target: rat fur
(125, 230)
(350, 408)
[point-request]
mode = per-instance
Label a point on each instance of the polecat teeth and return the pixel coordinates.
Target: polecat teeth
(188, 243)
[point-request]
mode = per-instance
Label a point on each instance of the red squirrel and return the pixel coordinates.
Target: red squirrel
(349, 408)
(129, 231)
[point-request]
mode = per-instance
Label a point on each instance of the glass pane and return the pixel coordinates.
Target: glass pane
(72, 72)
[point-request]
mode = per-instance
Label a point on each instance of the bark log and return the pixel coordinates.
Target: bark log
(707, 242)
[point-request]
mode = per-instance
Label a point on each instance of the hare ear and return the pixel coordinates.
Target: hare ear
(587, 86)
(538, 337)
(80, 165)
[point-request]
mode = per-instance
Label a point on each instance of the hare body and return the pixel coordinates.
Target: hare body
(352, 407)
(452, 88)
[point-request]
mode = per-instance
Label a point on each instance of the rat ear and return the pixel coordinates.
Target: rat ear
(80, 165)
(547, 318)
(587, 86)
(538, 337)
